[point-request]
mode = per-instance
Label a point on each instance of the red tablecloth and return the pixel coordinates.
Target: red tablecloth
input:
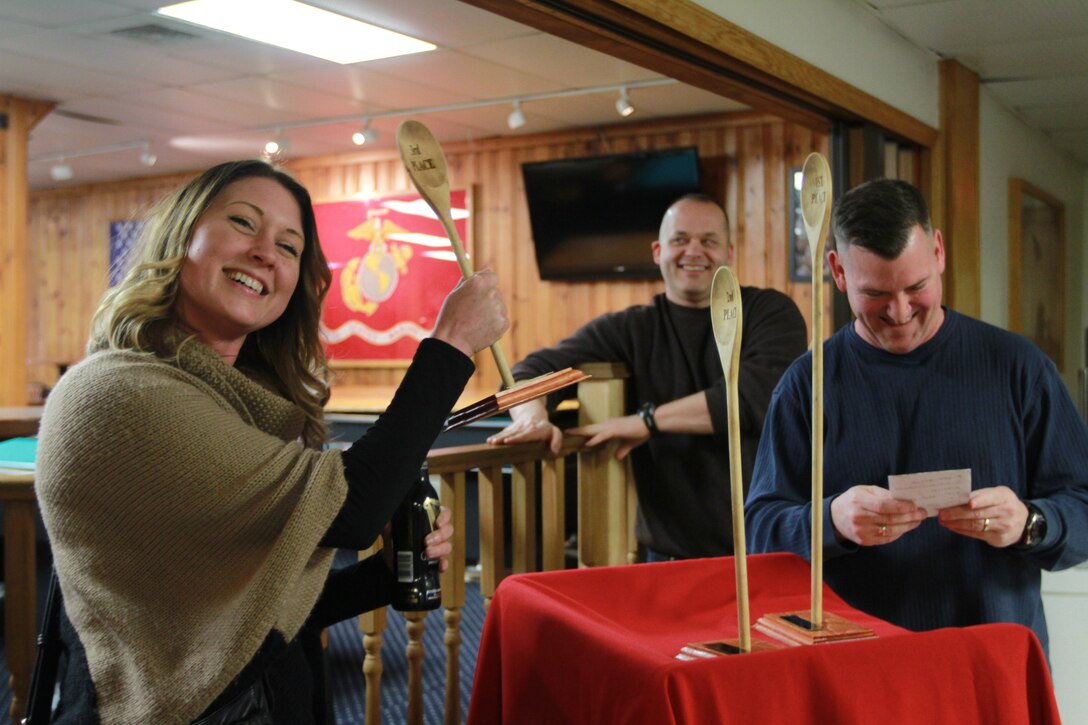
(598, 646)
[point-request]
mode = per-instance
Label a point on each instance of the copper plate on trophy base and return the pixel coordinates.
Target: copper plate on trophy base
(795, 628)
(720, 647)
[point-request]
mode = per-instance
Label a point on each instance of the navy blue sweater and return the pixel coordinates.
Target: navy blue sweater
(974, 396)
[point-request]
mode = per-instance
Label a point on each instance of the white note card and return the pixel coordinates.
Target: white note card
(933, 490)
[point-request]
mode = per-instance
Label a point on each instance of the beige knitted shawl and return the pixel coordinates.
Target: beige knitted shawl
(185, 518)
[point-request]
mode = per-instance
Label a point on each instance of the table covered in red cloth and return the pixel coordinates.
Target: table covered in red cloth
(599, 645)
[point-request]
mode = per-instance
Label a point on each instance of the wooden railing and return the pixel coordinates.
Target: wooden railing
(606, 504)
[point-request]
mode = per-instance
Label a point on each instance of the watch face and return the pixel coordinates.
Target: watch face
(1035, 529)
(1038, 525)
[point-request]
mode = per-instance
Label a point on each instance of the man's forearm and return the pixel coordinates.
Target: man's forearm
(689, 414)
(531, 410)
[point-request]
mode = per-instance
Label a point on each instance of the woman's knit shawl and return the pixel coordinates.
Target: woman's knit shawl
(185, 517)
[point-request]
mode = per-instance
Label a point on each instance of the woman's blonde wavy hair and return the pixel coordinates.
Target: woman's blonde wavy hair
(140, 312)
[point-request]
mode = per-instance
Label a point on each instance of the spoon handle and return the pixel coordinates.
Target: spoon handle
(466, 272)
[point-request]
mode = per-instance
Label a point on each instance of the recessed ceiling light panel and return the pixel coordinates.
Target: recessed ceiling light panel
(298, 27)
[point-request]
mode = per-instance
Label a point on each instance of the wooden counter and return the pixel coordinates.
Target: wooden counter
(20, 613)
(19, 422)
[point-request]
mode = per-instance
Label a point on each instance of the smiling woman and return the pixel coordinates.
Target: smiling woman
(192, 512)
(242, 264)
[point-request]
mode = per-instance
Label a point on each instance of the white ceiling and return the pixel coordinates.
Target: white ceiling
(1032, 55)
(211, 97)
(214, 97)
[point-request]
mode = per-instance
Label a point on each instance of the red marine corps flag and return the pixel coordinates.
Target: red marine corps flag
(392, 266)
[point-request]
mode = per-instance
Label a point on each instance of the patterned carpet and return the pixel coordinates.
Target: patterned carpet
(346, 658)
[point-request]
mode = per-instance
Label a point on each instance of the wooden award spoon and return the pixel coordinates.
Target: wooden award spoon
(727, 319)
(426, 164)
(816, 211)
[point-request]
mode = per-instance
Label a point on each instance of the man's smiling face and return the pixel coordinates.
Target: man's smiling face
(692, 244)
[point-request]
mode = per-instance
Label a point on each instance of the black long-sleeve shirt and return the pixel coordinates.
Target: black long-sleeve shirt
(683, 479)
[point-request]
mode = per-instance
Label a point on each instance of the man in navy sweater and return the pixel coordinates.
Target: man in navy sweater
(911, 387)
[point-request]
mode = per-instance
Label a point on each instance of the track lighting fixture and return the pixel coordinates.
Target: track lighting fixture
(516, 119)
(275, 146)
(365, 135)
(147, 158)
(61, 171)
(623, 106)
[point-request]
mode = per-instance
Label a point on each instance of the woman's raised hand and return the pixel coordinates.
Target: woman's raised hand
(473, 315)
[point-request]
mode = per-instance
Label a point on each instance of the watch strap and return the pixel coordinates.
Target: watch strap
(646, 412)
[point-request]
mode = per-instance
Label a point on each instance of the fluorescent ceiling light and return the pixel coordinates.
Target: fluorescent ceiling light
(295, 26)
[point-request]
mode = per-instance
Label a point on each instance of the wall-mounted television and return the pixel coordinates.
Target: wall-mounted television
(595, 217)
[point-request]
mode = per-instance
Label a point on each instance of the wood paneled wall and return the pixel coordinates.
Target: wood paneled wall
(746, 155)
(68, 263)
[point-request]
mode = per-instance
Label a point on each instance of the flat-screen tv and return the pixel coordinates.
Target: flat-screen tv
(595, 217)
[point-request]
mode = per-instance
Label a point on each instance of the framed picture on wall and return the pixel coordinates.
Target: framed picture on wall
(392, 267)
(1037, 267)
(799, 254)
(123, 237)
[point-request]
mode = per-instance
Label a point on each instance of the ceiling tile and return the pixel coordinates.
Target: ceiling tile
(373, 89)
(1056, 117)
(445, 23)
(453, 69)
(955, 25)
(1043, 58)
(1075, 142)
(142, 118)
(110, 56)
(57, 13)
(1044, 90)
(281, 96)
(568, 63)
(62, 134)
(241, 114)
(58, 81)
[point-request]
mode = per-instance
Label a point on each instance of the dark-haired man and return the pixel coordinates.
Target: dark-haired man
(676, 384)
(914, 387)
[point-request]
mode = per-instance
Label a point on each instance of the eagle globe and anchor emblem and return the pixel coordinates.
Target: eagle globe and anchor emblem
(371, 279)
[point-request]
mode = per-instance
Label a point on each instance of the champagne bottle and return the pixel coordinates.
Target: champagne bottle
(417, 586)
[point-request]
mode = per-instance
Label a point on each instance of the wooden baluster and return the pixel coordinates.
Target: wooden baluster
(603, 524)
(523, 513)
(414, 625)
(589, 527)
(632, 514)
(372, 625)
(452, 496)
(553, 502)
(492, 532)
(452, 640)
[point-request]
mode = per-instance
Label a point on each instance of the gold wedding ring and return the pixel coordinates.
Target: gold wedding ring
(985, 524)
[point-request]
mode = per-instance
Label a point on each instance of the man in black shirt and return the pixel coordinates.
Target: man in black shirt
(676, 385)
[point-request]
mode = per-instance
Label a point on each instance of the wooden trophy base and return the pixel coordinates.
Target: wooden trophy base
(795, 628)
(720, 647)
